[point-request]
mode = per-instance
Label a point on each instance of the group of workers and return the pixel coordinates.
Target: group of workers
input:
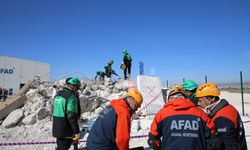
(125, 66)
(193, 118)
(3, 94)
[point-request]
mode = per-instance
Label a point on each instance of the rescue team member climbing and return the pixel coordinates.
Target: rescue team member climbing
(180, 124)
(189, 86)
(228, 124)
(66, 114)
(111, 130)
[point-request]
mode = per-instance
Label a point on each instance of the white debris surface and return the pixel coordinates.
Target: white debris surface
(34, 122)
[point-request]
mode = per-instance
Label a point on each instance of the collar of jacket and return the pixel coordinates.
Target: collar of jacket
(179, 103)
(216, 108)
(68, 90)
(121, 102)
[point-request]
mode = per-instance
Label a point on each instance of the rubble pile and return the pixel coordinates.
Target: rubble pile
(33, 121)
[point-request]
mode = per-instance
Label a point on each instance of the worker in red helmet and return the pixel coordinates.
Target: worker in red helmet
(229, 129)
(111, 130)
(179, 125)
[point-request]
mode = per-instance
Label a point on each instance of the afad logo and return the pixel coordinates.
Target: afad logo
(6, 71)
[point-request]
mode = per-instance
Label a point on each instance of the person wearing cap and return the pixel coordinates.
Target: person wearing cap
(66, 113)
(127, 61)
(189, 86)
(227, 121)
(179, 125)
(111, 130)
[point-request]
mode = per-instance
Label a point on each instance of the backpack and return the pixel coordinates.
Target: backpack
(128, 57)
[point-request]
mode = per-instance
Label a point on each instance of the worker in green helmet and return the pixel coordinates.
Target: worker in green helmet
(190, 87)
(101, 75)
(108, 69)
(127, 61)
(66, 113)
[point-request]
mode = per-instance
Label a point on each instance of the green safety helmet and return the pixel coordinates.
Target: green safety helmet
(125, 52)
(111, 62)
(73, 81)
(189, 85)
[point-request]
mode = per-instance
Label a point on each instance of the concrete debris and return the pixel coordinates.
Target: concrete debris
(33, 121)
(13, 118)
(39, 105)
(42, 113)
(30, 119)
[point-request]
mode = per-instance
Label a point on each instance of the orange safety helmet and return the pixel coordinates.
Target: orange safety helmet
(207, 89)
(136, 96)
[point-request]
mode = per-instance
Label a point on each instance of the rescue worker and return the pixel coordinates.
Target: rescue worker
(1, 92)
(189, 86)
(127, 60)
(111, 130)
(5, 94)
(164, 93)
(228, 124)
(101, 75)
(108, 69)
(179, 125)
(66, 113)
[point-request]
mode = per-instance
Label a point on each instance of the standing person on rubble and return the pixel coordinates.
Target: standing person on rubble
(66, 113)
(111, 130)
(179, 125)
(127, 61)
(227, 121)
(189, 86)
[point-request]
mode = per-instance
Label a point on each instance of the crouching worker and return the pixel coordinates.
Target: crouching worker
(101, 76)
(111, 130)
(179, 125)
(66, 114)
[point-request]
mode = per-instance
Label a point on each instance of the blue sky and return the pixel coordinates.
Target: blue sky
(175, 39)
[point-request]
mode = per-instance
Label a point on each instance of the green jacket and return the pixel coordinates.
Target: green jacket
(65, 114)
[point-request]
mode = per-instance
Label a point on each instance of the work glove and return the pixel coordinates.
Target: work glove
(154, 142)
(75, 138)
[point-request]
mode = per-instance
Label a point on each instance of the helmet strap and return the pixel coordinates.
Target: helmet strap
(207, 100)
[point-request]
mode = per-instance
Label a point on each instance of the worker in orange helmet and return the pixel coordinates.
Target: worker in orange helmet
(111, 130)
(227, 121)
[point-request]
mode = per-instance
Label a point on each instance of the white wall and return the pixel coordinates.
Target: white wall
(150, 87)
(23, 70)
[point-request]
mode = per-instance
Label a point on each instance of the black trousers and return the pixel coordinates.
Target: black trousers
(127, 69)
(63, 144)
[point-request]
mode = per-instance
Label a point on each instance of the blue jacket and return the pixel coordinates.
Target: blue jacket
(111, 130)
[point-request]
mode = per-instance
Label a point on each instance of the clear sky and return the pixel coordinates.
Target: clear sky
(175, 39)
